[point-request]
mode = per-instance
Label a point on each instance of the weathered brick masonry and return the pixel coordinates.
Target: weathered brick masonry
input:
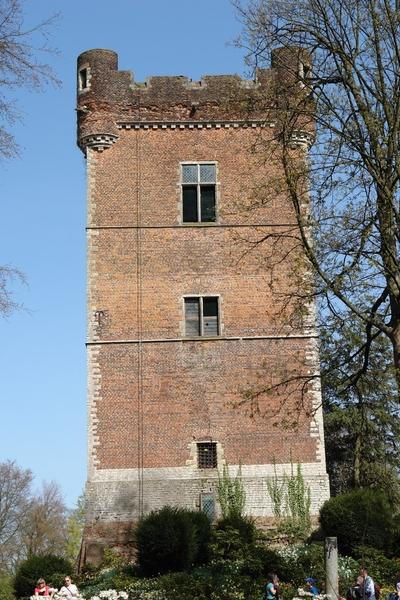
(154, 392)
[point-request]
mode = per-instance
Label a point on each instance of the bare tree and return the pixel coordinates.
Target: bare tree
(30, 522)
(45, 527)
(348, 196)
(20, 66)
(15, 502)
(8, 304)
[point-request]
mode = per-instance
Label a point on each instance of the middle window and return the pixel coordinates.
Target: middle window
(201, 316)
(198, 192)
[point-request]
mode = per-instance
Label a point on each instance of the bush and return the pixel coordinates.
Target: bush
(359, 517)
(232, 537)
(203, 533)
(171, 539)
(52, 568)
(383, 570)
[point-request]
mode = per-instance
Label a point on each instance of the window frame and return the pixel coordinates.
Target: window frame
(214, 459)
(201, 317)
(199, 185)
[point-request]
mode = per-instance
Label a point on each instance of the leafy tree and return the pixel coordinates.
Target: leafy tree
(362, 422)
(75, 525)
(339, 65)
(359, 518)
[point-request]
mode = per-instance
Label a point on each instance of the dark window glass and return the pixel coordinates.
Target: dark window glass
(190, 204)
(198, 193)
(210, 316)
(207, 203)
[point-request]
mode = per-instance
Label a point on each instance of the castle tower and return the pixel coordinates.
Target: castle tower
(180, 317)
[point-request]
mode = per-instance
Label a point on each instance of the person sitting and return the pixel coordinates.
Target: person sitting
(69, 587)
(311, 587)
(42, 589)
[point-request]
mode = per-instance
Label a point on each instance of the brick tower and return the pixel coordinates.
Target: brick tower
(179, 316)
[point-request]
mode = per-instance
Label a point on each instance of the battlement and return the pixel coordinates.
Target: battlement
(107, 98)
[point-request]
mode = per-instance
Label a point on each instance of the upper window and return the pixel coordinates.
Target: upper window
(201, 316)
(198, 192)
(83, 79)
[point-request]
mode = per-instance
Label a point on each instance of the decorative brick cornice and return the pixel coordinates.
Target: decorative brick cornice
(97, 141)
(192, 124)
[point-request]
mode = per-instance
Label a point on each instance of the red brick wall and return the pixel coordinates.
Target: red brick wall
(153, 392)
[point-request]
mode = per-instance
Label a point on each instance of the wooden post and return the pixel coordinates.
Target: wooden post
(331, 568)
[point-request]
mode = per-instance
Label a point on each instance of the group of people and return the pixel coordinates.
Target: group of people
(364, 588)
(68, 588)
(273, 591)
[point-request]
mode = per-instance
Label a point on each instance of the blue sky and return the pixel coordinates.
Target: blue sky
(42, 195)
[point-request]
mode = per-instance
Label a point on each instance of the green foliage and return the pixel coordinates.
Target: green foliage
(276, 491)
(297, 562)
(291, 502)
(232, 537)
(361, 417)
(203, 533)
(171, 539)
(359, 518)
(113, 573)
(383, 569)
(52, 568)
(231, 494)
(6, 586)
(182, 586)
(76, 522)
(235, 577)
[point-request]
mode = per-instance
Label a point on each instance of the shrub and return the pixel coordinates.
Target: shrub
(52, 568)
(171, 539)
(232, 537)
(359, 517)
(203, 533)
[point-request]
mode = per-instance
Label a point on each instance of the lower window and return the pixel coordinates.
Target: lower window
(201, 316)
(207, 505)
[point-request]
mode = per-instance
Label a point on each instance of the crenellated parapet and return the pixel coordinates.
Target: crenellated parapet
(109, 99)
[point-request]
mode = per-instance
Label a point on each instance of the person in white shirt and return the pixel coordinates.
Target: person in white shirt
(69, 587)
